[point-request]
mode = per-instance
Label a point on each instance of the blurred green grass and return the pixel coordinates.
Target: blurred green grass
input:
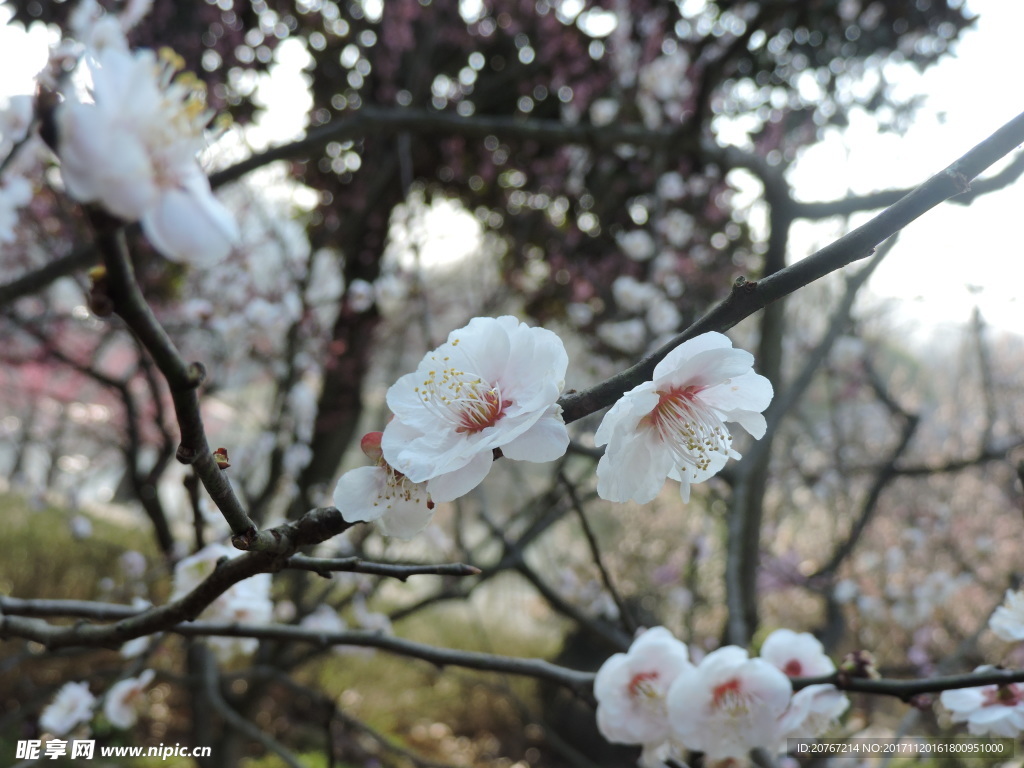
(449, 715)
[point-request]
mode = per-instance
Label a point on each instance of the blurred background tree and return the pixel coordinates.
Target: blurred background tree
(598, 147)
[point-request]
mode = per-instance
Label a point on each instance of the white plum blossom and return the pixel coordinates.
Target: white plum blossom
(632, 295)
(989, 709)
(382, 495)
(124, 700)
(360, 295)
(133, 564)
(579, 313)
(631, 689)
(671, 186)
(1007, 623)
(813, 709)
(728, 705)
(604, 111)
(638, 244)
(626, 335)
(72, 705)
(797, 654)
(677, 226)
(493, 384)
(131, 145)
(663, 317)
(674, 426)
(246, 602)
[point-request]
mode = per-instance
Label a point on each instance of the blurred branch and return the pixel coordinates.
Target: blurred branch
(376, 121)
(35, 281)
(885, 474)
(182, 379)
(401, 571)
(13, 625)
(908, 689)
(211, 689)
(131, 449)
(595, 552)
(875, 200)
(977, 329)
(314, 527)
(515, 555)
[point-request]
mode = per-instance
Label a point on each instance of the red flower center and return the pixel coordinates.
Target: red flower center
(641, 684)
(481, 412)
(793, 668)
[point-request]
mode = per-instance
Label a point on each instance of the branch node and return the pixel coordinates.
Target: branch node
(962, 182)
(196, 374)
(244, 540)
(186, 455)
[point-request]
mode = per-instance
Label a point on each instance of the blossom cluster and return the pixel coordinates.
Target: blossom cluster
(494, 387)
(74, 705)
(130, 127)
(996, 710)
(726, 706)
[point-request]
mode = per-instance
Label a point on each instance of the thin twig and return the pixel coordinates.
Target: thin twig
(211, 689)
(401, 571)
(595, 553)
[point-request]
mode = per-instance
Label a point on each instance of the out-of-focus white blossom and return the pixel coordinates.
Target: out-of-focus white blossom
(631, 689)
(814, 708)
(663, 317)
(360, 295)
(72, 705)
(1007, 623)
(81, 527)
(327, 621)
(604, 111)
(989, 709)
(632, 295)
(493, 384)
(677, 226)
(133, 564)
(391, 293)
(626, 336)
(671, 186)
(580, 314)
(131, 145)
(638, 244)
(812, 711)
(15, 193)
(846, 590)
(247, 602)
(797, 654)
(728, 705)
(125, 699)
(665, 77)
(674, 426)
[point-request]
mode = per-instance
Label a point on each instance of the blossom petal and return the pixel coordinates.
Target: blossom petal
(190, 225)
(547, 440)
(690, 348)
(405, 520)
(357, 494)
(452, 485)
